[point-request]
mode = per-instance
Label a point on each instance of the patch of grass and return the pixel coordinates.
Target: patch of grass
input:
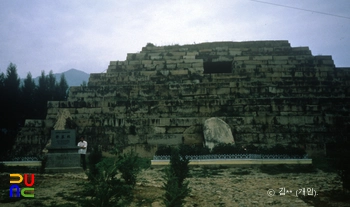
(144, 202)
(35, 202)
(206, 172)
(70, 198)
(60, 194)
(274, 169)
(240, 172)
(67, 196)
(54, 204)
(279, 169)
(18, 169)
(5, 198)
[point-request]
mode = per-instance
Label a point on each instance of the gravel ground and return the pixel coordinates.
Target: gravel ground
(219, 186)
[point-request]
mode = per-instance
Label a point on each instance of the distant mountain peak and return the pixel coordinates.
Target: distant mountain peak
(73, 76)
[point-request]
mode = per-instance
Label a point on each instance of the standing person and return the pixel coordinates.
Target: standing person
(82, 151)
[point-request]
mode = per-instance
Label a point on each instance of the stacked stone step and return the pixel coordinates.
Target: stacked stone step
(273, 93)
(33, 137)
(267, 77)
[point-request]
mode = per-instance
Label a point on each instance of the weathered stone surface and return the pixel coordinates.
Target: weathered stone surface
(216, 131)
(63, 139)
(193, 135)
(63, 160)
(266, 91)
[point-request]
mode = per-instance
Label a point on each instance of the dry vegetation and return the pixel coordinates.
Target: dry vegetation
(216, 186)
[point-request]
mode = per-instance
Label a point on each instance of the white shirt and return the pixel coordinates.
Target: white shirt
(82, 144)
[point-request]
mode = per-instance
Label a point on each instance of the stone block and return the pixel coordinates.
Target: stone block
(241, 58)
(178, 54)
(300, 49)
(164, 139)
(146, 62)
(184, 65)
(164, 122)
(113, 63)
(225, 48)
(156, 57)
(235, 52)
(132, 67)
(281, 57)
(61, 139)
(173, 61)
(160, 66)
(192, 53)
(62, 160)
(183, 49)
(262, 57)
(223, 59)
(179, 72)
(205, 50)
(192, 61)
(37, 123)
(328, 62)
(171, 66)
(189, 57)
(222, 53)
(175, 130)
(134, 62)
(122, 62)
(197, 65)
(112, 67)
(159, 130)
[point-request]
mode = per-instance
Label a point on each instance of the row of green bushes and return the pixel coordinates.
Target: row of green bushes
(112, 180)
(234, 149)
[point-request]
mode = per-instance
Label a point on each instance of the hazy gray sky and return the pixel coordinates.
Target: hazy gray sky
(59, 35)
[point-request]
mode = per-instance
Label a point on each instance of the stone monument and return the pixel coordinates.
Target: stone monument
(63, 151)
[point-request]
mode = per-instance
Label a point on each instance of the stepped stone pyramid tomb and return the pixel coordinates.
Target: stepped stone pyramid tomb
(256, 92)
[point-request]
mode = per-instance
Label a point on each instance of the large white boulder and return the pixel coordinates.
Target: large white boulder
(216, 131)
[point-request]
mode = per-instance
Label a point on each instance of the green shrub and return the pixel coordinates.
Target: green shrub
(43, 164)
(194, 150)
(176, 189)
(174, 193)
(163, 150)
(113, 182)
(128, 165)
(223, 148)
(94, 157)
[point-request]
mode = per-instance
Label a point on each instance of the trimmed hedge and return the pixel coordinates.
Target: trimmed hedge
(234, 149)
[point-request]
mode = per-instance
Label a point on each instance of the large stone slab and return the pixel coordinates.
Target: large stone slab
(216, 131)
(56, 160)
(63, 139)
